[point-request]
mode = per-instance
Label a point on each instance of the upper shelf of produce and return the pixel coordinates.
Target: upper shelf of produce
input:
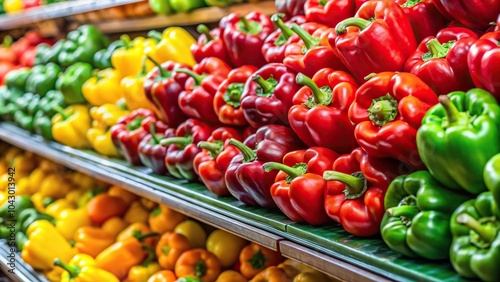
(71, 8)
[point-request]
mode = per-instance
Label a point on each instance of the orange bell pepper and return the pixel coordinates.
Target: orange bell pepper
(114, 226)
(120, 257)
(127, 196)
(200, 263)
(163, 276)
(272, 274)
(170, 248)
(164, 219)
(92, 240)
(255, 258)
(230, 276)
(137, 229)
(103, 207)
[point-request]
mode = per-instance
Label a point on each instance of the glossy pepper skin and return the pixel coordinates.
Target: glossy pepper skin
(42, 79)
(475, 250)
(417, 220)
(255, 258)
(245, 178)
(71, 81)
(127, 59)
(396, 19)
(312, 52)
(172, 45)
(355, 195)
(83, 268)
(324, 102)
(81, 45)
(183, 148)
(330, 13)
(387, 112)
(198, 263)
(440, 143)
(244, 37)
(99, 135)
(198, 97)
(212, 162)
(424, 17)
(170, 248)
(92, 240)
(367, 47)
(441, 61)
(128, 133)
(227, 99)
(70, 126)
(210, 44)
(162, 87)
(103, 88)
(290, 8)
(134, 95)
(482, 59)
(299, 190)
(151, 152)
(491, 177)
(42, 124)
(268, 94)
(474, 15)
(102, 58)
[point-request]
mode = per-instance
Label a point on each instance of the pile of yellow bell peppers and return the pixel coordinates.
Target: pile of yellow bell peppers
(107, 233)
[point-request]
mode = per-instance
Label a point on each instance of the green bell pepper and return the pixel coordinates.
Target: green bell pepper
(458, 136)
(81, 45)
(71, 81)
(8, 105)
(4, 232)
(102, 58)
(417, 221)
(20, 203)
(49, 54)
(16, 79)
(2, 9)
(161, 7)
(492, 177)
(28, 216)
(42, 123)
(43, 78)
(183, 6)
(475, 251)
(21, 238)
(27, 107)
(222, 3)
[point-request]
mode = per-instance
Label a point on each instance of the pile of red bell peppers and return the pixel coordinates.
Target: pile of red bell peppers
(19, 54)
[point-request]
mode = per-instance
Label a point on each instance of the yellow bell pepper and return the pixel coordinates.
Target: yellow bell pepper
(37, 200)
(103, 88)
(83, 268)
(70, 126)
(36, 177)
(74, 196)
(70, 220)
(58, 206)
(114, 225)
(99, 135)
(54, 275)
(141, 273)
(127, 60)
(173, 45)
(55, 186)
(45, 244)
(82, 181)
(11, 6)
(24, 163)
(127, 196)
(132, 88)
(3, 197)
(23, 187)
(136, 213)
(4, 181)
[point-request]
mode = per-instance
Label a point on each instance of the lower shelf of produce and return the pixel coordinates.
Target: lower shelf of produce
(14, 268)
(329, 248)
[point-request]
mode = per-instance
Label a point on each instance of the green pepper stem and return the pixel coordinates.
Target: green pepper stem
(61, 111)
(290, 171)
(320, 97)
(323, 2)
(163, 72)
(245, 22)
(309, 40)
(73, 270)
(248, 154)
(451, 111)
(144, 68)
(361, 24)
(156, 35)
(437, 49)
(152, 131)
(487, 235)
(213, 147)
(264, 84)
(203, 29)
(183, 141)
(278, 21)
(135, 123)
(200, 268)
(383, 110)
(140, 237)
(197, 77)
(355, 186)
(151, 255)
(7, 41)
(126, 39)
(406, 211)
(410, 3)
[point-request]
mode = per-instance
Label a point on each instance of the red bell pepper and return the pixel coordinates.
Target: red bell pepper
(268, 94)
(442, 10)
(498, 23)
(324, 103)
(275, 44)
(331, 12)
(387, 112)
(290, 8)
(476, 14)
(210, 44)
(398, 23)
(441, 61)
(31, 4)
(212, 162)
(483, 61)
(425, 19)
(356, 190)
(311, 54)
(299, 190)
(183, 148)
(227, 103)
(27, 59)
(6, 52)
(30, 39)
(244, 37)
(197, 99)
(372, 49)
(245, 178)
(162, 87)
(151, 153)
(129, 132)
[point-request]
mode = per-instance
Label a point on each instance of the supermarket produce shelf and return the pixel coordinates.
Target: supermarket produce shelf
(57, 10)
(328, 248)
(22, 271)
